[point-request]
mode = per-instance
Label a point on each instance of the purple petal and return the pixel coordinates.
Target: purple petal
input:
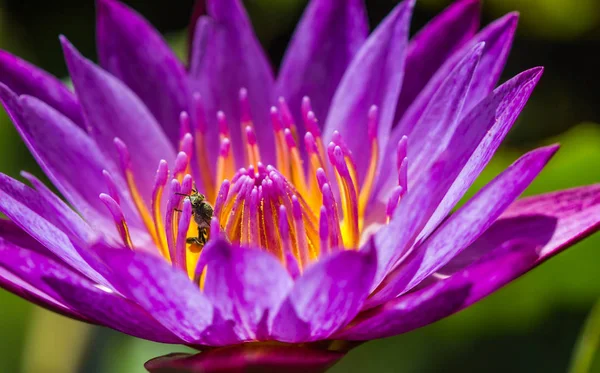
(65, 217)
(498, 38)
(69, 157)
(18, 273)
(113, 110)
(446, 297)
(488, 121)
(328, 36)
(328, 295)
(226, 56)
(249, 358)
(244, 284)
(464, 226)
(553, 220)
(133, 51)
(110, 309)
(26, 209)
(25, 79)
(374, 77)
(517, 91)
(166, 293)
(433, 45)
(435, 128)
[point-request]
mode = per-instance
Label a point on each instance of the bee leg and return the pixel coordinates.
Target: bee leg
(194, 241)
(203, 236)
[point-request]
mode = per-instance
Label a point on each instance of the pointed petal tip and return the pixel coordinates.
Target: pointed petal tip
(510, 20)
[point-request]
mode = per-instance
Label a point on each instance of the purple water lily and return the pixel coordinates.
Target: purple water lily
(331, 185)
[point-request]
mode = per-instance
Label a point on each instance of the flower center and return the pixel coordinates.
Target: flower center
(299, 209)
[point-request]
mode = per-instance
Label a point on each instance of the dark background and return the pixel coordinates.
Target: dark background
(530, 326)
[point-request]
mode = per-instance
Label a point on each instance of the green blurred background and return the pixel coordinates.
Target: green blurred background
(529, 326)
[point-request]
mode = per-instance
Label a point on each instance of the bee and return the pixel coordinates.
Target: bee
(202, 212)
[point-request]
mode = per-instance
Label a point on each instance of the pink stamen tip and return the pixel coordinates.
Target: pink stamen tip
(113, 207)
(187, 144)
(328, 199)
(251, 136)
(123, 153)
(172, 204)
(338, 159)
(243, 95)
(222, 122)
(373, 122)
(296, 208)
(215, 228)
(244, 106)
(112, 187)
(162, 173)
(338, 140)
(393, 201)
(275, 119)
(312, 124)
(289, 138)
(238, 175)
(187, 184)
(224, 148)
(284, 228)
(117, 214)
(310, 143)
(185, 125)
(200, 115)
(403, 174)
(401, 152)
(330, 148)
(179, 261)
(286, 114)
(324, 230)
(181, 163)
(306, 106)
(261, 168)
(321, 177)
(221, 197)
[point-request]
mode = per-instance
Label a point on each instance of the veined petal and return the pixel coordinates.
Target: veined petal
(433, 45)
(108, 308)
(531, 231)
(467, 150)
(446, 297)
(498, 38)
(24, 263)
(25, 79)
(326, 296)
(226, 56)
(464, 226)
(26, 209)
(133, 51)
(166, 293)
(245, 284)
(69, 157)
(374, 77)
(517, 92)
(113, 110)
(434, 131)
(328, 36)
(554, 221)
(65, 217)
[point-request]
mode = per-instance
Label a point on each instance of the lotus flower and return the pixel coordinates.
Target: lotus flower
(223, 208)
